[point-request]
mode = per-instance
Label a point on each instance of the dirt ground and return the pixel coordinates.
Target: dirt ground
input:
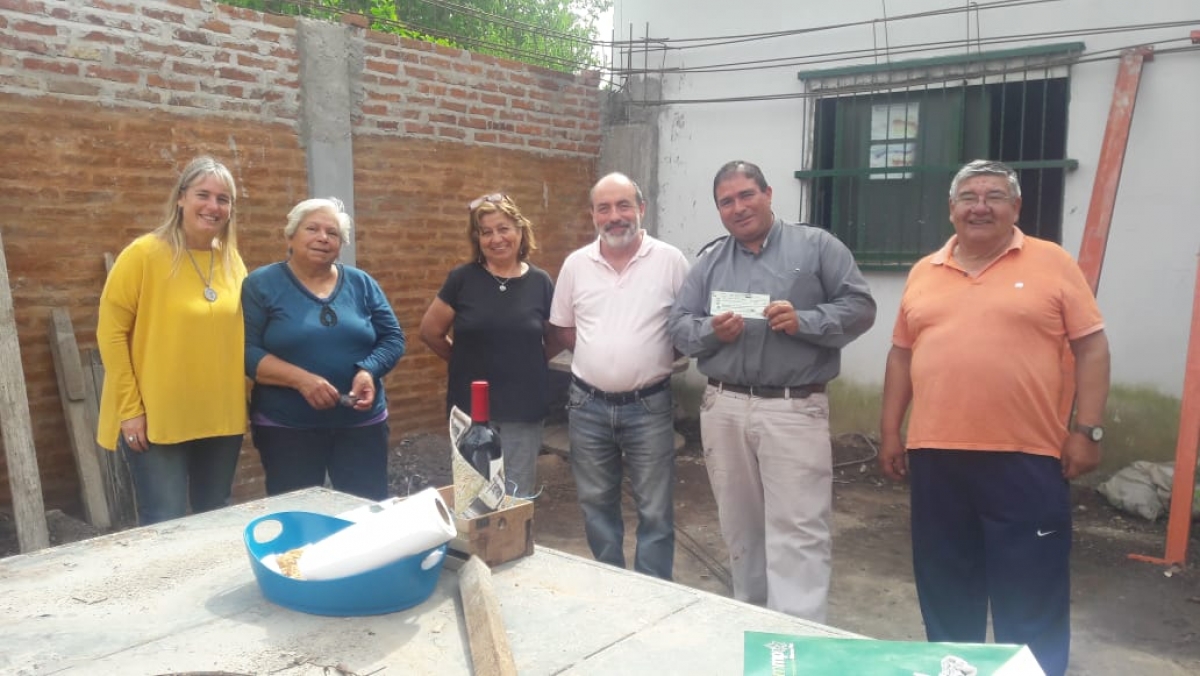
(1129, 617)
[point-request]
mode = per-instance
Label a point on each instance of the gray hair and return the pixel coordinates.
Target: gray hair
(331, 204)
(986, 168)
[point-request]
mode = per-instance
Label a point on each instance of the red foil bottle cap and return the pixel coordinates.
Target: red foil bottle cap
(479, 401)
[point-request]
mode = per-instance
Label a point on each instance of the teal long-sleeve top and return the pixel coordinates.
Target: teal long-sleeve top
(354, 328)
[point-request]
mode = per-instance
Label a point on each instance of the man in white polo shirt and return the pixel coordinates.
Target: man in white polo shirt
(610, 307)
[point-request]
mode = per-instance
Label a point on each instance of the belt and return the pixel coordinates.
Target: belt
(794, 392)
(622, 397)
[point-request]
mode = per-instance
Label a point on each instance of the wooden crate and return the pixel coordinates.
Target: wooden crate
(503, 535)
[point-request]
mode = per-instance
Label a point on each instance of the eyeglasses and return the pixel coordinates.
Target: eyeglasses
(992, 199)
(494, 198)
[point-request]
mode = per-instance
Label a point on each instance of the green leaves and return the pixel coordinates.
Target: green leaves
(556, 34)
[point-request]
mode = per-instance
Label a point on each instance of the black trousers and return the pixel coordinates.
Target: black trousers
(993, 528)
(354, 457)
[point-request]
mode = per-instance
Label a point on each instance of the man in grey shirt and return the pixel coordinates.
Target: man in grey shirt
(766, 313)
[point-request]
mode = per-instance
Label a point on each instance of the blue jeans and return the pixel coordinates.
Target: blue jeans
(521, 442)
(354, 457)
(166, 477)
(638, 437)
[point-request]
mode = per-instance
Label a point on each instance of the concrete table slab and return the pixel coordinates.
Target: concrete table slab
(180, 597)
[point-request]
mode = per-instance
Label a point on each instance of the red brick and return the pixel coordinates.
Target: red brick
(19, 44)
(159, 82)
(139, 61)
(238, 13)
(187, 68)
(197, 37)
(162, 15)
(34, 28)
(356, 20)
(270, 37)
(216, 26)
(113, 74)
(60, 67)
(238, 75)
(107, 38)
(23, 6)
(382, 66)
(420, 73)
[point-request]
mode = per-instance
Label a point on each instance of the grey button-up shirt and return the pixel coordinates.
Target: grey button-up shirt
(802, 264)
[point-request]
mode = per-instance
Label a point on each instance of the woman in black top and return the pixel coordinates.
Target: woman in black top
(490, 322)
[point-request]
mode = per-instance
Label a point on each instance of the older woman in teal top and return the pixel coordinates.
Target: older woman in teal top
(320, 336)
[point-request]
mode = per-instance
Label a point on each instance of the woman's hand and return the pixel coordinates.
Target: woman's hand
(318, 392)
(362, 388)
(134, 433)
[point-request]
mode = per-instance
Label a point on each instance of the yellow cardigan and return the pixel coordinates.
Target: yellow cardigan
(168, 352)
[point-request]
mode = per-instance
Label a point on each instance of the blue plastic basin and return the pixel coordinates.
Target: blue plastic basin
(396, 586)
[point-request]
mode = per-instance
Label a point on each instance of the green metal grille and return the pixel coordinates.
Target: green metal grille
(882, 158)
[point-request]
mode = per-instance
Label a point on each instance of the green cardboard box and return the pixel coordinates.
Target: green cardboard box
(785, 655)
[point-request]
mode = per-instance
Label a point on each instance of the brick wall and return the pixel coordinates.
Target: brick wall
(101, 102)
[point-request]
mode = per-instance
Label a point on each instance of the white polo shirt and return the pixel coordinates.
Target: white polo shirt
(620, 319)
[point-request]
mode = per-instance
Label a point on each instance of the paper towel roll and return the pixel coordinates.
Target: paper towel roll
(407, 527)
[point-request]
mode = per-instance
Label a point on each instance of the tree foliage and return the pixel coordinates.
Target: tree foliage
(558, 34)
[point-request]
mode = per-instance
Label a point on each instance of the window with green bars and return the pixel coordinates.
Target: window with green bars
(886, 141)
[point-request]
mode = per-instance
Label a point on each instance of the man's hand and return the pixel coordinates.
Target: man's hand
(781, 316)
(892, 458)
(727, 326)
(1080, 455)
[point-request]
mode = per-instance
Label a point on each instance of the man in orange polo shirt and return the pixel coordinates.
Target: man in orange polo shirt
(982, 350)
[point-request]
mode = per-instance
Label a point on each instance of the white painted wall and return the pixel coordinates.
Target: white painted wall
(1149, 272)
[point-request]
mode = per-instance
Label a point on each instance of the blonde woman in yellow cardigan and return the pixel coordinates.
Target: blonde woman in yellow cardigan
(171, 336)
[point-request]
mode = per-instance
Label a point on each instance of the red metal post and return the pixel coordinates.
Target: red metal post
(1179, 521)
(1112, 158)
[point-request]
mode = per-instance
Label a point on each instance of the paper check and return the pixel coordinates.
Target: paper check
(748, 305)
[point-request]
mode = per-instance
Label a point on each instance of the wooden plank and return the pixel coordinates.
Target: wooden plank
(72, 392)
(118, 484)
(26, 485)
(490, 651)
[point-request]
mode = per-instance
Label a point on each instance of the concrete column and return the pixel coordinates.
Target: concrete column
(330, 61)
(630, 143)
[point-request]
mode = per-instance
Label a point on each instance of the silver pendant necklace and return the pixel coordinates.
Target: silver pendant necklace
(210, 294)
(502, 281)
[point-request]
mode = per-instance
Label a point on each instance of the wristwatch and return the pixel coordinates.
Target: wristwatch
(1093, 432)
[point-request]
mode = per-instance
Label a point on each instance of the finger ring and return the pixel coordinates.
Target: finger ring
(132, 439)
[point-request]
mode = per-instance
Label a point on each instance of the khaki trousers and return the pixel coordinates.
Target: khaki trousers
(770, 465)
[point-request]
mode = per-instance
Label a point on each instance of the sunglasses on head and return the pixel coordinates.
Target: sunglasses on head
(494, 198)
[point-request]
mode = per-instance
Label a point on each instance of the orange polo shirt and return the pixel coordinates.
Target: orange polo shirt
(992, 367)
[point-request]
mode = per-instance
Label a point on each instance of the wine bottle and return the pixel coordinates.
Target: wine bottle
(480, 443)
